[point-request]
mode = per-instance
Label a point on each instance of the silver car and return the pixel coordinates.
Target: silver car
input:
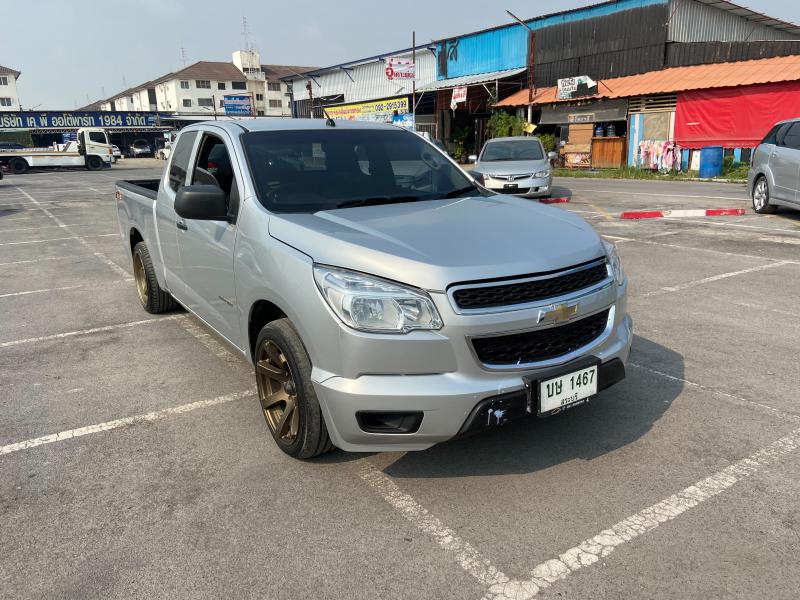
(774, 176)
(515, 165)
(385, 300)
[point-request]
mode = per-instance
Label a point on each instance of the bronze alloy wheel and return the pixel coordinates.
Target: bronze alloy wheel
(278, 392)
(140, 276)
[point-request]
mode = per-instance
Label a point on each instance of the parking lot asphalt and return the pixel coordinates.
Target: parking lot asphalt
(135, 461)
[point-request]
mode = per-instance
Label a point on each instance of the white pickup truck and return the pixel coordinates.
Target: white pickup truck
(93, 151)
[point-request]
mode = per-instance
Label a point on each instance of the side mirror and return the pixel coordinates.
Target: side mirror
(201, 202)
(473, 158)
(552, 155)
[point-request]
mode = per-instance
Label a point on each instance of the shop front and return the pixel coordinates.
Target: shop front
(589, 134)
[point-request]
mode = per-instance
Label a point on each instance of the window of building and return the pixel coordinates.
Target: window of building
(5, 101)
(184, 85)
(260, 97)
(274, 86)
(238, 85)
(187, 102)
(203, 84)
(222, 103)
(221, 85)
(3, 80)
(275, 103)
(209, 102)
(260, 113)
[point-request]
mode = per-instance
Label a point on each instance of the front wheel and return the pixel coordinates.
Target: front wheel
(761, 197)
(18, 166)
(94, 163)
(288, 400)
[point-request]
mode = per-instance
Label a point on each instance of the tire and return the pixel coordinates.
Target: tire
(760, 197)
(94, 163)
(283, 376)
(153, 299)
(18, 166)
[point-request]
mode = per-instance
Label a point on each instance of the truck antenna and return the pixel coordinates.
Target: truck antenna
(329, 122)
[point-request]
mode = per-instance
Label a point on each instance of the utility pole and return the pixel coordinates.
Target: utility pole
(414, 81)
(310, 89)
(531, 62)
(214, 105)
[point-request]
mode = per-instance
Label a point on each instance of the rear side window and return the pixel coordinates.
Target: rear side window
(180, 160)
(791, 139)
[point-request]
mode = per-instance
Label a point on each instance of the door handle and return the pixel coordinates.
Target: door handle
(181, 225)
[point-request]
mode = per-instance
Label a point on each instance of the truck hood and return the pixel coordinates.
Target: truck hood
(435, 243)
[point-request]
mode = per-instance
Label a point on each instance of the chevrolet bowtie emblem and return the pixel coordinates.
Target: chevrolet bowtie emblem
(557, 312)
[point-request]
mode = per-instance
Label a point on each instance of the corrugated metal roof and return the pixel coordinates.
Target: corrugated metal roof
(680, 79)
(469, 80)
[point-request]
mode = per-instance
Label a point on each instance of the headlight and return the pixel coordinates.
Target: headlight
(372, 304)
(542, 174)
(614, 263)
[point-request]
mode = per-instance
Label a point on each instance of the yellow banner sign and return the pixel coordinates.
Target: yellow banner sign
(379, 110)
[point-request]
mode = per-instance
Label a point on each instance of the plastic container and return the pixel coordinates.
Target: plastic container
(710, 162)
(598, 131)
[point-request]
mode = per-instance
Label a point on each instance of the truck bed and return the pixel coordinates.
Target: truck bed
(144, 187)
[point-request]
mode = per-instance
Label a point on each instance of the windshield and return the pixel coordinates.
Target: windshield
(140, 143)
(321, 169)
(521, 149)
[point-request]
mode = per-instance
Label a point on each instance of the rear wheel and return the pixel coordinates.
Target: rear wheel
(18, 166)
(288, 400)
(94, 163)
(154, 300)
(761, 197)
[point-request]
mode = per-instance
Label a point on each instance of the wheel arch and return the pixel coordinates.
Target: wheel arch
(261, 312)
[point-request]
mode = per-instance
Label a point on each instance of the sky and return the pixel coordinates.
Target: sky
(72, 52)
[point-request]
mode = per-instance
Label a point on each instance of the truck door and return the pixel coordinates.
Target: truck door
(207, 247)
(784, 162)
(166, 219)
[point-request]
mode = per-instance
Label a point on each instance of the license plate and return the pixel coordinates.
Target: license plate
(567, 390)
(510, 186)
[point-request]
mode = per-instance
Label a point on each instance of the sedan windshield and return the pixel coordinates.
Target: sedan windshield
(323, 169)
(520, 149)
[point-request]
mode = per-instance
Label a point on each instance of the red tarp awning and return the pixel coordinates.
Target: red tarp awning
(737, 117)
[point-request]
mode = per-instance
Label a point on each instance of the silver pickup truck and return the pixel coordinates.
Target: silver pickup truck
(386, 301)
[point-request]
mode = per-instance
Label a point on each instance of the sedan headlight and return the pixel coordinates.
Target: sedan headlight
(542, 174)
(614, 263)
(373, 304)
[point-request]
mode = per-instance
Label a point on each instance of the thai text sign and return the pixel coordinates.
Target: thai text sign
(238, 105)
(74, 120)
(575, 87)
(400, 68)
(382, 111)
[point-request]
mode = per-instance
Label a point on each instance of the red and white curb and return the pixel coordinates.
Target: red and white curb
(562, 200)
(673, 214)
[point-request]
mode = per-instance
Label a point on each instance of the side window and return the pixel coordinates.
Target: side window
(791, 138)
(98, 137)
(180, 160)
(781, 133)
(214, 167)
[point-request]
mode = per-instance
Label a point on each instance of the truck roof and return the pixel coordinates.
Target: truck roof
(279, 124)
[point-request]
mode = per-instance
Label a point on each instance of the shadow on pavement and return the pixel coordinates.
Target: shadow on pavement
(617, 417)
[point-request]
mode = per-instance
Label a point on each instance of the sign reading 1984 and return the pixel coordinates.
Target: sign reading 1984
(66, 120)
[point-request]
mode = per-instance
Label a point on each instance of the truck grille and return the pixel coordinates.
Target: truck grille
(508, 294)
(541, 344)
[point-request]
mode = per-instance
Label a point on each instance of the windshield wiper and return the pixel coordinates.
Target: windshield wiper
(459, 192)
(376, 200)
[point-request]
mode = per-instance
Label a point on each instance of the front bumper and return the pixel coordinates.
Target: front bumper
(531, 187)
(448, 400)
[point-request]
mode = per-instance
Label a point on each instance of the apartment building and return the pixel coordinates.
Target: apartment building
(200, 88)
(9, 99)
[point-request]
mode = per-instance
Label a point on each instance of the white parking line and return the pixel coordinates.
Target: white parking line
(58, 336)
(737, 399)
(466, 555)
(691, 284)
(116, 424)
(780, 241)
(36, 260)
(617, 192)
(102, 257)
(720, 252)
(56, 289)
(604, 543)
(740, 225)
(758, 307)
(73, 237)
(217, 348)
(45, 227)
